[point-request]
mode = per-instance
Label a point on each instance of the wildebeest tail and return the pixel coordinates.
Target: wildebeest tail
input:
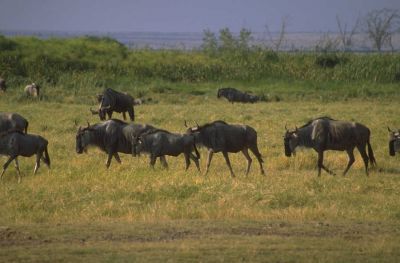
(26, 127)
(371, 154)
(46, 156)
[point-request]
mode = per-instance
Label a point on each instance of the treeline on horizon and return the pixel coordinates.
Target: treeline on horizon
(230, 58)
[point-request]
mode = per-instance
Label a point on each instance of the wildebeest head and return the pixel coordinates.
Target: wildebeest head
(102, 111)
(192, 130)
(83, 138)
(394, 142)
(137, 145)
(291, 141)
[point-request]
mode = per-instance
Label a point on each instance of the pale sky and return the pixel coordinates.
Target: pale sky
(182, 15)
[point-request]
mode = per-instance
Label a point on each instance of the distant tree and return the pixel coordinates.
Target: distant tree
(227, 40)
(327, 43)
(244, 39)
(345, 35)
(380, 26)
(210, 43)
(277, 42)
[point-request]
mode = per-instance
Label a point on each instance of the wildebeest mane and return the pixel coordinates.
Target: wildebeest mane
(318, 118)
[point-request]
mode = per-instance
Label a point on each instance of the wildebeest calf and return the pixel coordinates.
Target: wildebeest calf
(159, 142)
(13, 121)
(14, 144)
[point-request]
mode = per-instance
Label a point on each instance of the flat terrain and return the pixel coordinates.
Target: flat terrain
(79, 211)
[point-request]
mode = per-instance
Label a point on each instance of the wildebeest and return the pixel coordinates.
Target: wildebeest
(394, 141)
(160, 142)
(3, 86)
(111, 101)
(13, 121)
(219, 136)
(325, 133)
(234, 95)
(32, 90)
(15, 143)
(112, 136)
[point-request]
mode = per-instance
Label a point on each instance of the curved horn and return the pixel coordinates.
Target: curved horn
(185, 124)
(389, 129)
(93, 111)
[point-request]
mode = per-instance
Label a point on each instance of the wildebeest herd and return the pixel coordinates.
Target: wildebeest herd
(115, 136)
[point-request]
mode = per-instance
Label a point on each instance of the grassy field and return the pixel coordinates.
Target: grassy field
(79, 211)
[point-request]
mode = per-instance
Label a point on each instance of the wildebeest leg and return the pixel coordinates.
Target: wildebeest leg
(246, 154)
(152, 160)
(110, 155)
(187, 160)
(228, 163)
(321, 165)
(37, 165)
(131, 113)
(164, 162)
(6, 165)
(195, 160)
(351, 160)
(364, 155)
(109, 113)
(209, 157)
(17, 167)
(116, 156)
(124, 115)
(255, 151)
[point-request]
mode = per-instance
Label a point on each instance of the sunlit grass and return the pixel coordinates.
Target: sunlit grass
(79, 188)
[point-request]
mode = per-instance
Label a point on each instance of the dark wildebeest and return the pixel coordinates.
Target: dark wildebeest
(111, 101)
(160, 142)
(112, 136)
(3, 86)
(234, 95)
(219, 136)
(16, 143)
(394, 142)
(324, 133)
(32, 90)
(13, 121)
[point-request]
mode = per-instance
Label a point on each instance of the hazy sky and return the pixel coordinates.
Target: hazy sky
(182, 15)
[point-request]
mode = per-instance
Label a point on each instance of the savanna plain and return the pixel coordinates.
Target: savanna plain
(81, 211)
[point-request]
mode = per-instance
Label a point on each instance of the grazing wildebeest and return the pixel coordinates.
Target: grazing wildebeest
(13, 121)
(160, 142)
(16, 143)
(32, 90)
(325, 133)
(111, 101)
(219, 136)
(3, 86)
(112, 136)
(234, 95)
(394, 141)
